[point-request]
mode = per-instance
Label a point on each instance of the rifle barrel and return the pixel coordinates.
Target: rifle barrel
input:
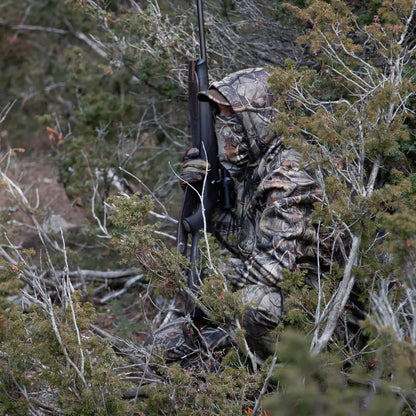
(201, 29)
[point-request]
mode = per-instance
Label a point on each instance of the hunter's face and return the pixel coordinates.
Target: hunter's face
(230, 137)
(225, 111)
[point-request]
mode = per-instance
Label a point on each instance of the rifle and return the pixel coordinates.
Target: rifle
(199, 202)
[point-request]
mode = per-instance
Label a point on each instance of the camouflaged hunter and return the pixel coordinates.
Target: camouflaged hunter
(268, 230)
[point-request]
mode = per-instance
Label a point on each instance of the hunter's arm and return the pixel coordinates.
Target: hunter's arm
(277, 231)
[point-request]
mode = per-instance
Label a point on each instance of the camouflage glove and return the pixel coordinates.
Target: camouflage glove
(193, 167)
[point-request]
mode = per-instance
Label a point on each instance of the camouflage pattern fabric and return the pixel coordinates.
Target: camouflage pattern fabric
(259, 322)
(269, 229)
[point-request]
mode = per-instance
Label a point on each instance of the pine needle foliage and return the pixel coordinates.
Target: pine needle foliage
(45, 365)
(136, 237)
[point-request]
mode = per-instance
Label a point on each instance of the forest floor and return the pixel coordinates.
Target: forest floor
(37, 177)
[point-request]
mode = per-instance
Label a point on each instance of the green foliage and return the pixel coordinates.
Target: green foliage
(223, 304)
(226, 392)
(324, 385)
(134, 236)
(79, 373)
(10, 284)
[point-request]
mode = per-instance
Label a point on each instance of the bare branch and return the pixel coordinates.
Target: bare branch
(99, 275)
(339, 301)
(263, 390)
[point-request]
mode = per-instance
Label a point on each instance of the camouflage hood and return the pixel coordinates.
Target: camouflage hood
(247, 93)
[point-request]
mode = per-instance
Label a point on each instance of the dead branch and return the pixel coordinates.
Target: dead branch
(340, 299)
(99, 275)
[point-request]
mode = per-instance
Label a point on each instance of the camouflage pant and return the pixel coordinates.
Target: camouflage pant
(184, 341)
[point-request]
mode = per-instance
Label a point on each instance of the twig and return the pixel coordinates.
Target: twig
(5, 110)
(102, 225)
(68, 290)
(263, 390)
(118, 293)
(253, 358)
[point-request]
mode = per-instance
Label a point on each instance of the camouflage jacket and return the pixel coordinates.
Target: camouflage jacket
(269, 228)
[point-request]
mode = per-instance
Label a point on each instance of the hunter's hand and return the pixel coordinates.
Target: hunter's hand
(194, 168)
